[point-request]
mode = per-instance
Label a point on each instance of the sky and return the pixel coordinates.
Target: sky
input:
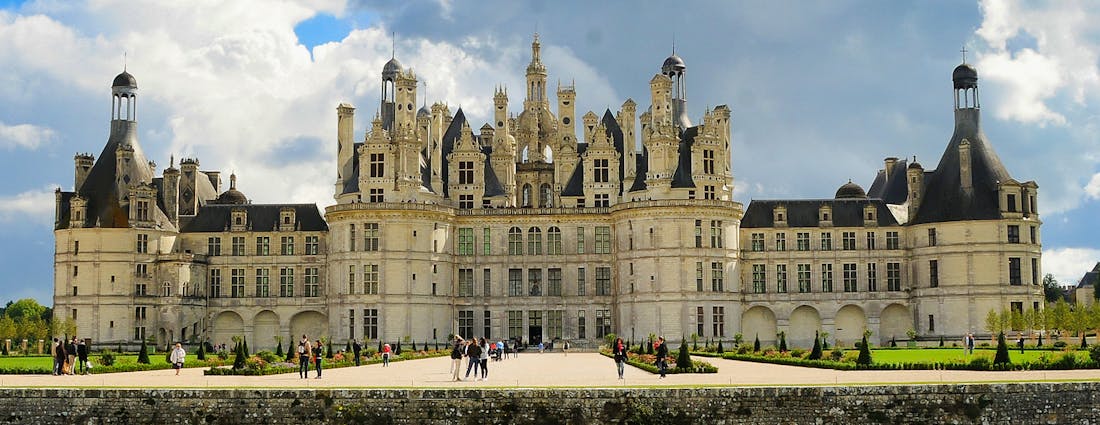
(821, 91)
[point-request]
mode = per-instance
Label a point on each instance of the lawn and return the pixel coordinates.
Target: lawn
(917, 355)
(45, 363)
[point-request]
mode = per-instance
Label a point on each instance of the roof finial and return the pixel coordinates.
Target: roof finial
(124, 61)
(964, 53)
(393, 44)
(172, 161)
(674, 43)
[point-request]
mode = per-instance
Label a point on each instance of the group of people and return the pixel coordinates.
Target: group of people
(660, 349)
(69, 355)
(309, 352)
(477, 352)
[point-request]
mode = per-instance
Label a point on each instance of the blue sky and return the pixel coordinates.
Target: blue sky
(821, 92)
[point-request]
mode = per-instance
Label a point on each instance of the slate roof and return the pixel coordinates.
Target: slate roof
(454, 131)
(804, 212)
(892, 187)
(641, 168)
(1090, 278)
(575, 185)
(682, 177)
(351, 185)
(261, 218)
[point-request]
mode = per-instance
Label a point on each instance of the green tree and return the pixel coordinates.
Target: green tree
(143, 354)
(1002, 351)
(683, 359)
(8, 328)
(864, 358)
(26, 309)
(279, 346)
(1059, 316)
(993, 321)
(1029, 318)
(782, 342)
(244, 347)
(756, 344)
(201, 354)
(720, 349)
(815, 353)
(238, 355)
(1081, 319)
(1052, 291)
(1016, 320)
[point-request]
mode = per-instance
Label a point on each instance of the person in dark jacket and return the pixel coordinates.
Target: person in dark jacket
(473, 352)
(318, 354)
(662, 355)
(70, 352)
(355, 349)
(58, 357)
(456, 357)
(618, 350)
(82, 355)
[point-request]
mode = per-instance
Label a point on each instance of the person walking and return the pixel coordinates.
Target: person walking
(70, 355)
(473, 353)
(515, 348)
(58, 351)
(484, 359)
(82, 356)
(662, 355)
(304, 353)
(970, 343)
(177, 358)
(618, 350)
(1020, 342)
(456, 357)
(386, 350)
(318, 354)
(541, 347)
(355, 349)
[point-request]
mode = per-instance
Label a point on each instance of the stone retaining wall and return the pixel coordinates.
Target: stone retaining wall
(1025, 403)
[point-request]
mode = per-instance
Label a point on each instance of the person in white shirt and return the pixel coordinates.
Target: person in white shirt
(177, 358)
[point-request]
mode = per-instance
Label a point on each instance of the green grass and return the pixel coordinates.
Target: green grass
(45, 363)
(917, 355)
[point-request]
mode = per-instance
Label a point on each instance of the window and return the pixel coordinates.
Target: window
(553, 241)
(534, 318)
(515, 241)
(603, 240)
(580, 240)
(933, 273)
(803, 278)
(553, 324)
(141, 289)
(698, 233)
(1034, 236)
(215, 283)
(716, 233)
(870, 240)
(139, 332)
(826, 278)
(848, 239)
(603, 280)
(238, 245)
(872, 277)
(931, 237)
(312, 245)
(515, 282)
(534, 241)
(699, 276)
(371, 236)
(700, 326)
(758, 242)
(931, 323)
(486, 237)
(803, 241)
(376, 195)
(717, 280)
(1013, 233)
(581, 279)
(213, 246)
(759, 279)
(487, 323)
(351, 279)
(141, 270)
(465, 172)
(600, 171)
(781, 278)
(718, 321)
(580, 324)
(142, 210)
(553, 282)
(465, 282)
(465, 202)
(603, 323)
(263, 282)
(850, 278)
(1034, 271)
(892, 240)
(263, 245)
(76, 270)
(780, 241)
(286, 245)
(1014, 272)
(466, 323)
(515, 324)
(351, 323)
(370, 323)
(534, 282)
(236, 283)
(465, 241)
(286, 282)
(370, 279)
(486, 282)
(313, 287)
(377, 165)
(893, 276)
(826, 241)
(1010, 201)
(142, 243)
(351, 237)
(139, 313)
(708, 192)
(708, 161)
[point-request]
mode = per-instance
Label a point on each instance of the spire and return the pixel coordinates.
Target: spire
(233, 181)
(393, 45)
(535, 48)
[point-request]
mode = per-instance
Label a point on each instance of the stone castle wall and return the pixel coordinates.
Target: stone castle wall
(1020, 403)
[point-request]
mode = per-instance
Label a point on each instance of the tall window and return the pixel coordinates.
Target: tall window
(515, 241)
(893, 276)
(312, 283)
(872, 277)
(781, 278)
(534, 241)
(580, 240)
(708, 161)
(1014, 275)
(286, 282)
(553, 241)
(600, 171)
(377, 165)
(931, 237)
(465, 172)
(486, 282)
(370, 323)
(1013, 233)
(370, 236)
(370, 279)
(466, 323)
(553, 324)
(758, 242)
(580, 324)
(698, 233)
(312, 245)
(870, 240)
(515, 324)
(487, 322)
(1034, 271)
(708, 192)
(780, 241)
(286, 245)
(465, 202)
(849, 240)
(142, 243)
(351, 237)
(603, 280)
(351, 279)
(515, 282)
(803, 241)
(263, 245)
(486, 241)
(603, 323)
(142, 210)
(803, 278)
(850, 277)
(263, 282)
(465, 241)
(581, 280)
(718, 321)
(717, 278)
(603, 240)
(465, 282)
(1034, 235)
(546, 199)
(759, 279)
(700, 325)
(534, 282)
(826, 241)
(892, 240)
(238, 245)
(236, 283)
(376, 195)
(553, 282)
(213, 246)
(933, 273)
(716, 233)
(826, 278)
(215, 283)
(699, 276)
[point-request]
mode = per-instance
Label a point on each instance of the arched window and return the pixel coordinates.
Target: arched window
(526, 201)
(546, 200)
(553, 241)
(515, 241)
(167, 289)
(534, 241)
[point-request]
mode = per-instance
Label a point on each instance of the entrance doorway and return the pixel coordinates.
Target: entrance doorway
(534, 335)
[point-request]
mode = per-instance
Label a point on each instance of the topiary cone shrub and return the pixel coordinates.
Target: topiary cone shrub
(683, 360)
(201, 354)
(815, 353)
(941, 340)
(720, 350)
(756, 344)
(864, 358)
(278, 349)
(328, 350)
(143, 354)
(782, 342)
(1002, 351)
(238, 356)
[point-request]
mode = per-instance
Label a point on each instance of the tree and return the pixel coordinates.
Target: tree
(238, 356)
(815, 353)
(1016, 320)
(782, 342)
(694, 342)
(1052, 291)
(1002, 351)
(1059, 316)
(201, 354)
(26, 309)
(347, 347)
(683, 359)
(328, 349)
(993, 321)
(1029, 321)
(756, 344)
(1081, 319)
(941, 341)
(864, 358)
(720, 349)
(279, 346)
(244, 347)
(143, 354)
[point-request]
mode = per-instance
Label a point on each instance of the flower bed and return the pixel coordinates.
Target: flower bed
(647, 362)
(43, 365)
(982, 361)
(257, 366)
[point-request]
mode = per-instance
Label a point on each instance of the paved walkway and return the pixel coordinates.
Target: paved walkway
(540, 370)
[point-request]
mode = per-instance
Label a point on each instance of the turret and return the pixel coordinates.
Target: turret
(914, 175)
(171, 192)
(388, 108)
(566, 107)
(345, 145)
(405, 83)
(536, 78)
(84, 162)
(189, 204)
(439, 114)
(675, 69)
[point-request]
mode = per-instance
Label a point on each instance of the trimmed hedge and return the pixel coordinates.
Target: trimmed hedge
(696, 367)
(257, 368)
(1065, 362)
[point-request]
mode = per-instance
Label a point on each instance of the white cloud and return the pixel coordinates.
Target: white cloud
(1093, 187)
(1069, 264)
(37, 205)
(24, 136)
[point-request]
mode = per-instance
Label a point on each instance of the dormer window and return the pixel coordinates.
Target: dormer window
(286, 219)
(825, 215)
(240, 219)
(779, 215)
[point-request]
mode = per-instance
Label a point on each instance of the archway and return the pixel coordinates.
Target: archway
(894, 322)
(759, 321)
(265, 327)
(227, 325)
(850, 324)
(310, 323)
(804, 324)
